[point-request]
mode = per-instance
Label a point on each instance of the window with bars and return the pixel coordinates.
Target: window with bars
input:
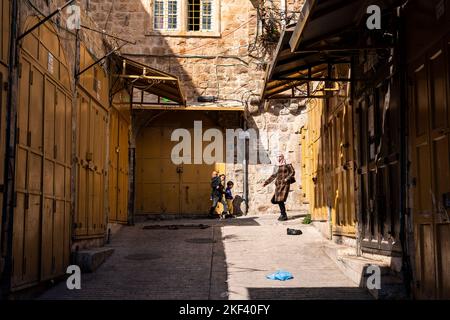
(194, 15)
(200, 15)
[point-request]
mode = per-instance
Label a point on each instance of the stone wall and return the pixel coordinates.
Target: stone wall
(226, 66)
(206, 66)
(279, 127)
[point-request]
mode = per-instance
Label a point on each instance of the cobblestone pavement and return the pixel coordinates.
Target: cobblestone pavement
(228, 260)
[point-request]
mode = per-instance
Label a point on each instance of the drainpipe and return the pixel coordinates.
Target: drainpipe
(245, 167)
(330, 223)
(8, 204)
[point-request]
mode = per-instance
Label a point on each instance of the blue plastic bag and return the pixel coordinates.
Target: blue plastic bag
(280, 275)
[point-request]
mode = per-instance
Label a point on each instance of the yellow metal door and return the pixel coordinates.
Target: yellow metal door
(4, 61)
(113, 163)
(122, 171)
(41, 230)
(49, 178)
(118, 167)
(57, 149)
(92, 124)
(343, 202)
(3, 95)
(27, 233)
(162, 186)
(170, 175)
(81, 224)
(90, 217)
(98, 170)
(316, 186)
(430, 129)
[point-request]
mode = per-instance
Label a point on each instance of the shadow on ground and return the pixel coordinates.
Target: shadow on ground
(343, 293)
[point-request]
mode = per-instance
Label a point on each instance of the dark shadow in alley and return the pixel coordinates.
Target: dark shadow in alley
(330, 293)
(153, 265)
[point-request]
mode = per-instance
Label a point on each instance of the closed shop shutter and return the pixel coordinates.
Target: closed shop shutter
(118, 166)
(163, 187)
(92, 127)
(430, 188)
(4, 61)
(41, 234)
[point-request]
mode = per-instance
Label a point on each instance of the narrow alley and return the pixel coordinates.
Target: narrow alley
(228, 259)
(162, 150)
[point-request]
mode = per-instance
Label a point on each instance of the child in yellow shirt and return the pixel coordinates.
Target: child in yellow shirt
(229, 197)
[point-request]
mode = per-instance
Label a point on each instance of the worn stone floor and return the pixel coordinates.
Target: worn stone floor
(228, 260)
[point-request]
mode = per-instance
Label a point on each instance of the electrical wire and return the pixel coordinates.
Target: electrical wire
(37, 10)
(109, 14)
(225, 35)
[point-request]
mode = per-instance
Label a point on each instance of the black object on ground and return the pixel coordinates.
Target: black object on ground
(294, 232)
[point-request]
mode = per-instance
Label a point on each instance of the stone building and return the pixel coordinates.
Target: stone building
(88, 113)
(219, 51)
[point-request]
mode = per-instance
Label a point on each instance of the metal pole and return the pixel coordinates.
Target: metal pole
(108, 35)
(98, 61)
(245, 169)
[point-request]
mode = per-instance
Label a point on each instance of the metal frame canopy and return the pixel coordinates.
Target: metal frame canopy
(328, 34)
(163, 85)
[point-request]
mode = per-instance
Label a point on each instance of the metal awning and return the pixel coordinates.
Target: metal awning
(288, 70)
(329, 25)
(329, 33)
(164, 86)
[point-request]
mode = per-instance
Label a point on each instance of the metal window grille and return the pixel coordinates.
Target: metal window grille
(194, 15)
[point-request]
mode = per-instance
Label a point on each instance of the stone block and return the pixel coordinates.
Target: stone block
(90, 260)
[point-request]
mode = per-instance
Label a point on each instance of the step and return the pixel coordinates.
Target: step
(91, 259)
(355, 268)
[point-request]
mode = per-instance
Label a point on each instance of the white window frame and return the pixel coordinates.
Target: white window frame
(182, 20)
(165, 27)
(154, 21)
(202, 15)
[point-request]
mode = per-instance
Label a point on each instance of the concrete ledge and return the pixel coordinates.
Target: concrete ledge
(355, 268)
(90, 260)
(323, 227)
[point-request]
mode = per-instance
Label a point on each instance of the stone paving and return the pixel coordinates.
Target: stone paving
(228, 260)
